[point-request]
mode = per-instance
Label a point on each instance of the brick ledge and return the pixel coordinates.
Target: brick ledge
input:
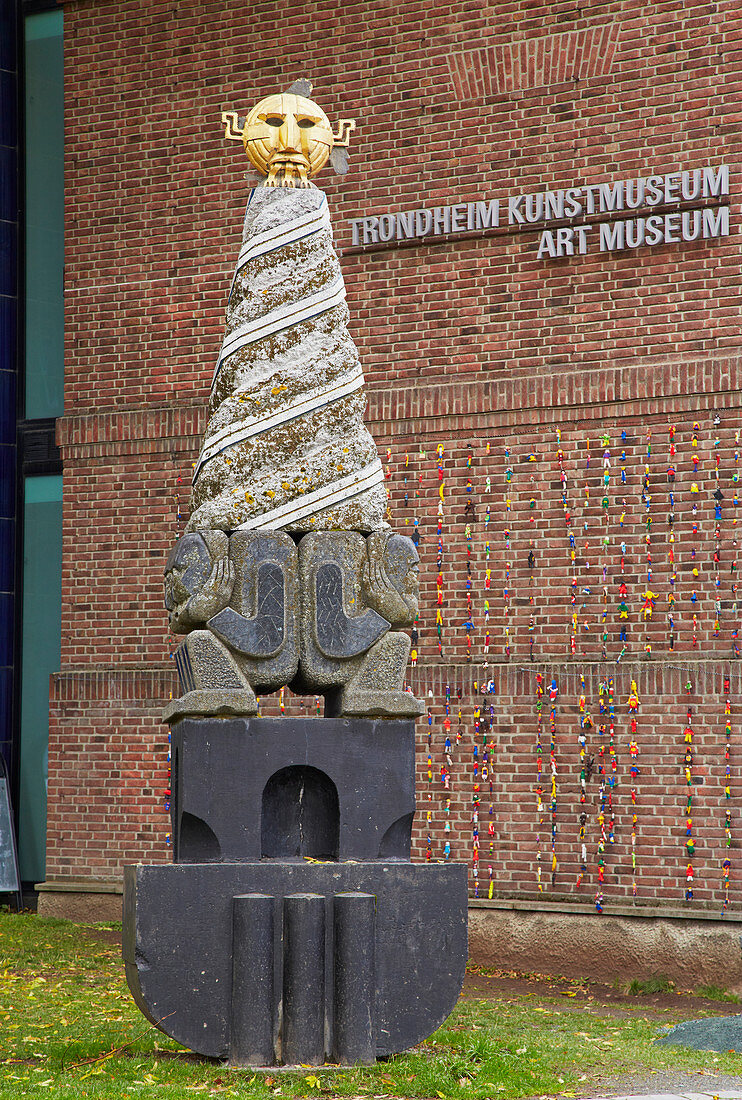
(79, 886)
(643, 912)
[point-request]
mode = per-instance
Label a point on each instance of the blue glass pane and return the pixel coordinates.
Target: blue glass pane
(8, 182)
(7, 36)
(9, 113)
(7, 564)
(8, 257)
(8, 329)
(40, 655)
(44, 100)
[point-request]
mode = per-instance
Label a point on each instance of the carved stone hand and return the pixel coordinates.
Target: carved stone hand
(380, 594)
(215, 594)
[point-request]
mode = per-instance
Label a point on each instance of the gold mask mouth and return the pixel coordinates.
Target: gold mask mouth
(288, 169)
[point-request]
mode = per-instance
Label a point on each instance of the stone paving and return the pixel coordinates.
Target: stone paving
(722, 1094)
(719, 1033)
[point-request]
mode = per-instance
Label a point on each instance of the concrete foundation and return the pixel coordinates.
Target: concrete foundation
(570, 941)
(84, 902)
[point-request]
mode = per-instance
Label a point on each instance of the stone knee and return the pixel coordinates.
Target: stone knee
(204, 663)
(377, 685)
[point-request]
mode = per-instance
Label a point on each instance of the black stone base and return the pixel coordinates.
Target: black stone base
(272, 962)
(349, 792)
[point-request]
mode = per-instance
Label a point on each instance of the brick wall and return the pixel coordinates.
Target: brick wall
(464, 341)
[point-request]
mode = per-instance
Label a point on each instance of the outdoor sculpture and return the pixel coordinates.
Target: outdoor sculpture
(292, 926)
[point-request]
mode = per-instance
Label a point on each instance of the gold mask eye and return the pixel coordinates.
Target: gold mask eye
(306, 123)
(273, 120)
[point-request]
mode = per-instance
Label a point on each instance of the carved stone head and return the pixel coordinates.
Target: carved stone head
(402, 564)
(187, 569)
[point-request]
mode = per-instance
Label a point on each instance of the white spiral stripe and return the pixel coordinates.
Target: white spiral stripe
(335, 493)
(246, 429)
(279, 319)
(271, 239)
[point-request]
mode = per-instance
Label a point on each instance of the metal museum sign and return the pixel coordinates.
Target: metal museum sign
(700, 191)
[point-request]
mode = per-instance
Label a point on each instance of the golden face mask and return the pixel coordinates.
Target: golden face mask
(287, 135)
(289, 138)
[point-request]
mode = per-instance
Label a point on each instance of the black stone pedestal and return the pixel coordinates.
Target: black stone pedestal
(292, 926)
(350, 980)
(280, 788)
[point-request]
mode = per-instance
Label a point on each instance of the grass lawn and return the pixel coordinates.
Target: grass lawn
(69, 1028)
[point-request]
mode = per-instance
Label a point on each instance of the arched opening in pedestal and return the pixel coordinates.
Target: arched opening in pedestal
(300, 815)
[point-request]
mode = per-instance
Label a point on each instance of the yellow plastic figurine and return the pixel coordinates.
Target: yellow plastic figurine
(288, 138)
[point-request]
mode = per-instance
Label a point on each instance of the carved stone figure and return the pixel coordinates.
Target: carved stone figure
(354, 591)
(236, 599)
(292, 926)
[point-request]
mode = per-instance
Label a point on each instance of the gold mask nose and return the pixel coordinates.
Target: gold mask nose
(288, 134)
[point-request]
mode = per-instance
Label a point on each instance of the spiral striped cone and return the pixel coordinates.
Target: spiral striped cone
(285, 447)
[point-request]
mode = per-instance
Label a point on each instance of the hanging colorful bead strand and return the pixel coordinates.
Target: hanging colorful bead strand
(735, 547)
(429, 792)
(586, 724)
(612, 763)
(688, 763)
(531, 562)
(531, 603)
(571, 540)
(553, 694)
(539, 773)
(476, 802)
(439, 560)
(470, 516)
(168, 793)
(487, 564)
(718, 500)
(726, 864)
(602, 799)
(487, 724)
(388, 478)
(605, 541)
(586, 590)
(671, 467)
(623, 611)
(446, 764)
(469, 623)
(508, 562)
(480, 776)
(415, 534)
(447, 785)
(694, 540)
(487, 575)
(634, 772)
(649, 596)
